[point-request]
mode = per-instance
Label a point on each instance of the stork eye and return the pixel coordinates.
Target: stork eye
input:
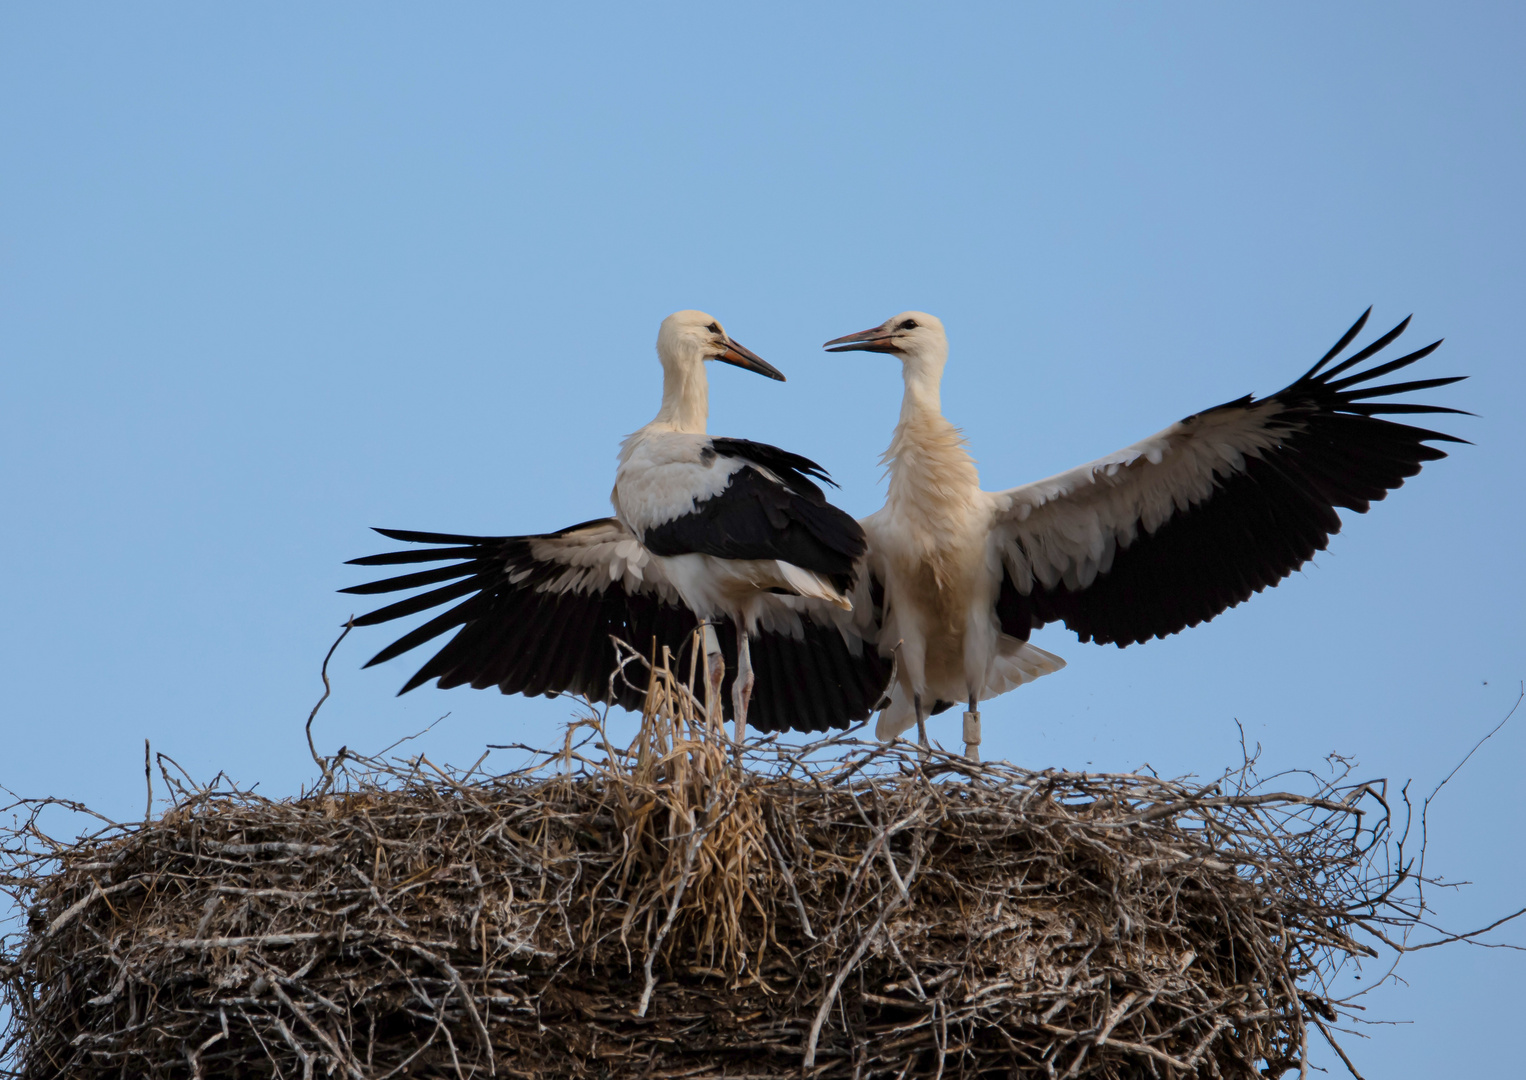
(714, 328)
(909, 324)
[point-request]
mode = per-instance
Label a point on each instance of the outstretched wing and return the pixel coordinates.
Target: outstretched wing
(1171, 531)
(536, 613)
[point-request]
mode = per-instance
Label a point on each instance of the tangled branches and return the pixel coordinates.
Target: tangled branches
(654, 911)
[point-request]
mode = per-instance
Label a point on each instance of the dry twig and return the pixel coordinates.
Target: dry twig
(647, 911)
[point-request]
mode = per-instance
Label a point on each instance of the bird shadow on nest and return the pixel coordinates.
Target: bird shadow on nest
(835, 908)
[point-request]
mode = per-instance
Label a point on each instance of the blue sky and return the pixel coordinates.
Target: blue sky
(270, 275)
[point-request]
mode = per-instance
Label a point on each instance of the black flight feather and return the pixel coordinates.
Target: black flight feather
(521, 637)
(1264, 520)
(760, 516)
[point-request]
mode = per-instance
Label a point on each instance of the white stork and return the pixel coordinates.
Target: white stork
(704, 529)
(1157, 537)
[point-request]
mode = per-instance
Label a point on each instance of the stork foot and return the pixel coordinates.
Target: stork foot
(972, 735)
(715, 674)
(741, 692)
(741, 699)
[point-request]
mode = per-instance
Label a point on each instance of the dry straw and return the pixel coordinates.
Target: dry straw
(843, 909)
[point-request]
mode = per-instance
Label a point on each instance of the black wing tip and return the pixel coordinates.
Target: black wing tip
(1378, 371)
(1366, 351)
(773, 457)
(1340, 345)
(413, 536)
(1390, 389)
(1395, 408)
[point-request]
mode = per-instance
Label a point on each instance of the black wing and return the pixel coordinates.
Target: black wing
(796, 471)
(1175, 529)
(770, 509)
(828, 677)
(538, 611)
(536, 615)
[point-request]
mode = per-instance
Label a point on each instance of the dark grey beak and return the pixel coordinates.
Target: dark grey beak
(875, 339)
(743, 357)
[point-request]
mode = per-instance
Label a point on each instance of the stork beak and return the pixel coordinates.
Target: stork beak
(743, 357)
(875, 339)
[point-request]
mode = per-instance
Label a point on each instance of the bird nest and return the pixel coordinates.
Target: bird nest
(845, 909)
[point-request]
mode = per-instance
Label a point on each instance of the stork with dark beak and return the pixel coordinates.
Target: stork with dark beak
(1157, 537)
(705, 529)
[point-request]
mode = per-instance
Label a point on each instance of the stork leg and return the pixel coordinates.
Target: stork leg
(741, 689)
(926, 747)
(972, 730)
(715, 672)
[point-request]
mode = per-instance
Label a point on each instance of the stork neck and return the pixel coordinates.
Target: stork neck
(685, 399)
(922, 396)
(932, 475)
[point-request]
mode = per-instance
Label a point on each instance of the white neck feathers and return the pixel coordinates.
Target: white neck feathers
(933, 479)
(685, 398)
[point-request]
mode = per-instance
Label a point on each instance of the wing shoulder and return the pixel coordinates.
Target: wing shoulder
(768, 509)
(790, 469)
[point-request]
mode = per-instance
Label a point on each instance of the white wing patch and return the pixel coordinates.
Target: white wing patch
(597, 556)
(663, 475)
(1067, 528)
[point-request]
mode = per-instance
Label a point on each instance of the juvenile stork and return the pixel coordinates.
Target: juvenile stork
(704, 529)
(1157, 537)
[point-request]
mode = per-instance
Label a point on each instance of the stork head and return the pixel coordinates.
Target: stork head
(915, 336)
(689, 338)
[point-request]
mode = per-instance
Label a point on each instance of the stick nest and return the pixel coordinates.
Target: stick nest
(653, 911)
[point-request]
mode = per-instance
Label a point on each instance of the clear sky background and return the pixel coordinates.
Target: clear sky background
(273, 274)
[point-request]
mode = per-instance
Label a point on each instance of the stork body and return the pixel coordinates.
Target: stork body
(706, 530)
(932, 559)
(700, 507)
(1142, 543)
(930, 548)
